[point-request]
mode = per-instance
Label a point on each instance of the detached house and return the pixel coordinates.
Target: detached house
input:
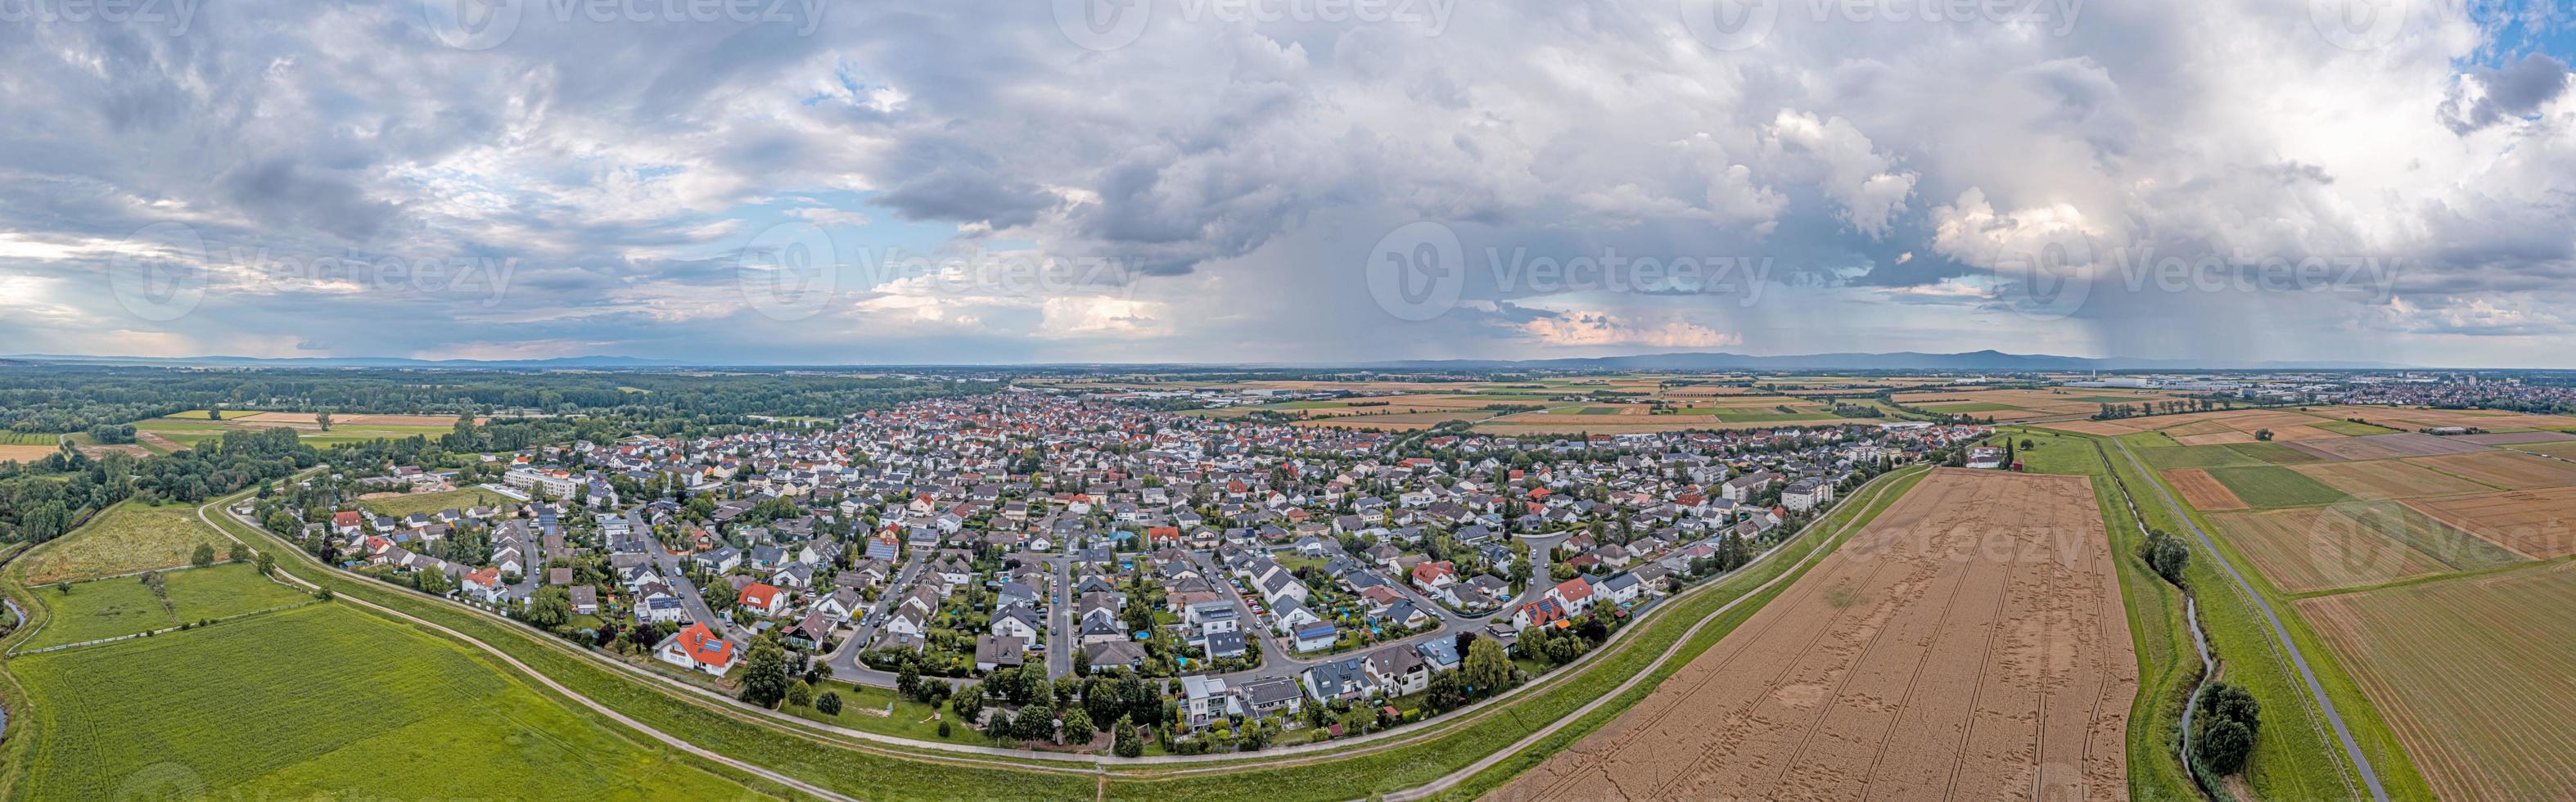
(697, 648)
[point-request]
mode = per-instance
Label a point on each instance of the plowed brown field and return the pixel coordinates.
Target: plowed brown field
(1969, 644)
(2203, 490)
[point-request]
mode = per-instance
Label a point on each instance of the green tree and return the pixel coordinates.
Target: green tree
(549, 607)
(1127, 742)
(969, 702)
(2223, 730)
(2165, 554)
(800, 694)
(830, 705)
(1487, 670)
(239, 553)
(1077, 726)
(205, 555)
(322, 419)
(764, 679)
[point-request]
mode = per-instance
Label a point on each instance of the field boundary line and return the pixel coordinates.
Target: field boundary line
(667, 739)
(1822, 550)
(2280, 634)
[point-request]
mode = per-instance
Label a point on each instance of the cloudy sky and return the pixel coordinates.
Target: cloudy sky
(819, 181)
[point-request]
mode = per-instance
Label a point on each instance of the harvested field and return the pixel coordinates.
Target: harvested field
(2303, 432)
(2472, 676)
(1968, 643)
(2505, 469)
(26, 453)
(2202, 490)
(2386, 479)
(2516, 438)
(2386, 446)
(2307, 549)
(2533, 523)
(2214, 438)
(2567, 450)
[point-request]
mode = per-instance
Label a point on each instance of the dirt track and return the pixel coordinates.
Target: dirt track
(1968, 644)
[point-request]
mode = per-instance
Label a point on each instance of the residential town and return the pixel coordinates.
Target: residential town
(1310, 577)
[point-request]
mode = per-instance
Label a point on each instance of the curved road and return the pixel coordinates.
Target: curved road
(666, 738)
(2280, 633)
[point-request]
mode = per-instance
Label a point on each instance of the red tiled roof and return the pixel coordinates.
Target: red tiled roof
(702, 645)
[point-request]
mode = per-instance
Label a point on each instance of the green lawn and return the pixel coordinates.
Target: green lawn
(106, 608)
(127, 537)
(434, 503)
(2270, 486)
(225, 590)
(322, 701)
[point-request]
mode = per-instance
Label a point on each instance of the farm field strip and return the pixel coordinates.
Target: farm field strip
(2271, 486)
(2203, 490)
(1912, 662)
(2472, 675)
(2387, 479)
(106, 608)
(2505, 469)
(2304, 550)
(2532, 523)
